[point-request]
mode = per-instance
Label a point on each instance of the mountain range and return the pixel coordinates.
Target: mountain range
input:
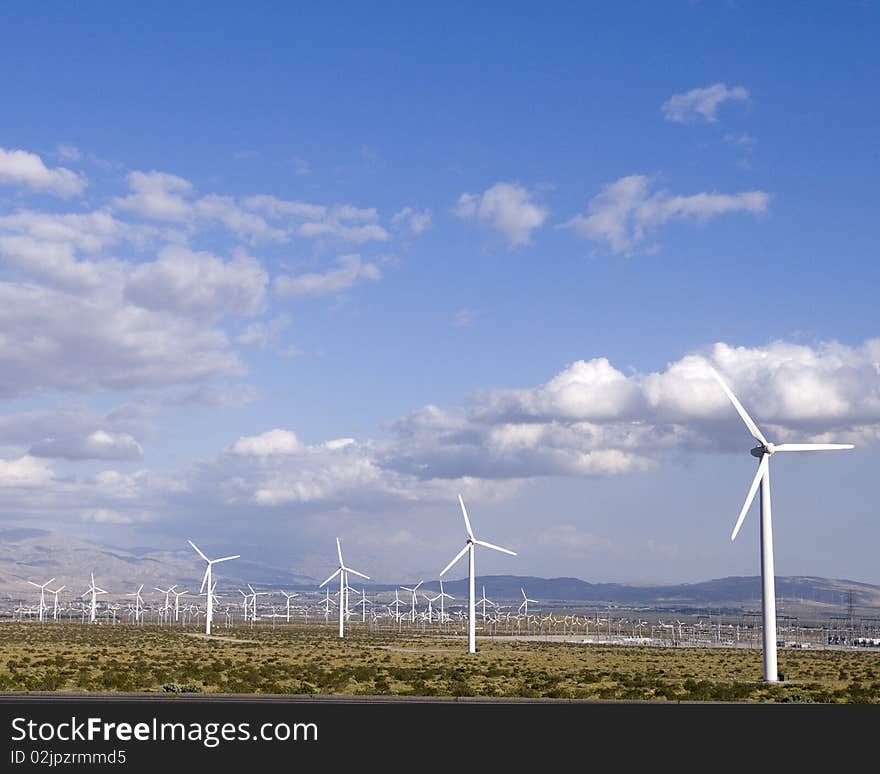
(36, 554)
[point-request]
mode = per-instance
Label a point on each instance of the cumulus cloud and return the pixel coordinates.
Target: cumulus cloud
(98, 445)
(508, 208)
(83, 341)
(413, 220)
(702, 104)
(626, 211)
(49, 246)
(26, 472)
(352, 270)
(592, 419)
(21, 168)
(271, 442)
(199, 284)
(158, 196)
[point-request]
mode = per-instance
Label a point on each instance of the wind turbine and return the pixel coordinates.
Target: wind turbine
(177, 596)
(55, 607)
(342, 571)
(42, 596)
(206, 581)
(167, 608)
(414, 598)
(94, 591)
(138, 603)
(289, 597)
(763, 451)
(525, 602)
(443, 595)
(254, 595)
(470, 544)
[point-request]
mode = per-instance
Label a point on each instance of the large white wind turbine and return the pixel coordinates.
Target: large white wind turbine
(94, 591)
(42, 589)
(470, 544)
(206, 581)
(763, 451)
(342, 571)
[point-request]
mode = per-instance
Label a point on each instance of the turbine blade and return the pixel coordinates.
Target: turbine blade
(225, 559)
(331, 577)
(750, 423)
(457, 557)
(467, 521)
(35, 584)
(753, 489)
(812, 446)
(359, 574)
(494, 547)
(339, 552)
(205, 578)
(198, 550)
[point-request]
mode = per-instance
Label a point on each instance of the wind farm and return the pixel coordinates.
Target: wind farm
(413, 353)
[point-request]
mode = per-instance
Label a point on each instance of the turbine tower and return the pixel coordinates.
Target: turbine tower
(342, 571)
(763, 451)
(470, 544)
(206, 581)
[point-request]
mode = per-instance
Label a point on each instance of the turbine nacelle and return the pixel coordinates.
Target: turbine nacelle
(760, 451)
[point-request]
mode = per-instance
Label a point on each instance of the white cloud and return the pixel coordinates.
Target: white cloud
(509, 208)
(46, 246)
(97, 445)
(280, 208)
(199, 284)
(25, 472)
(350, 272)
(82, 341)
(21, 168)
(110, 516)
(626, 211)
(271, 442)
(701, 104)
(313, 221)
(244, 224)
(158, 196)
(417, 222)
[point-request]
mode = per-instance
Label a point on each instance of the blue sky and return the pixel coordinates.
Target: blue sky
(216, 223)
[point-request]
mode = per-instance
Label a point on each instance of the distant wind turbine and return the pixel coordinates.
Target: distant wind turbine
(94, 591)
(470, 544)
(206, 581)
(763, 452)
(342, 571)
(42, 589)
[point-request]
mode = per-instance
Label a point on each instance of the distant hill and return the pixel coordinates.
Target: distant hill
(36, 554)
(735, 591)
